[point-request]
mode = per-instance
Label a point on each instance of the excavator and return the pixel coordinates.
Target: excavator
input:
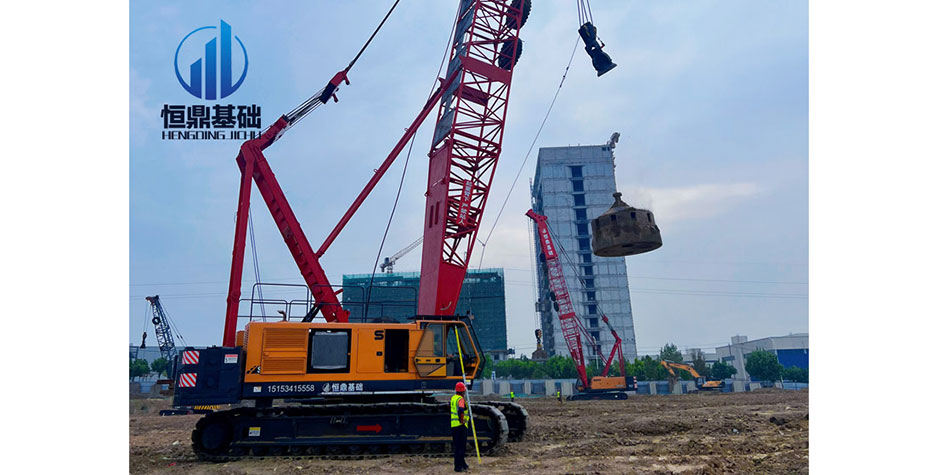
(701, 382)
(367, 387)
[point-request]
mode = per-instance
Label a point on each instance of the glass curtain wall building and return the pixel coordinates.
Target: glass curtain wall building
(394, 296)
(573, 185)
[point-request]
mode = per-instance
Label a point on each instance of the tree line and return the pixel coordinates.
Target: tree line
(140, 368)
(761, 366)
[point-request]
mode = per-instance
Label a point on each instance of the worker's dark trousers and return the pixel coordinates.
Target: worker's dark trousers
(459, 447)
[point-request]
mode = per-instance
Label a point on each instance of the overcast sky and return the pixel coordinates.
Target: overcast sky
(710, 98)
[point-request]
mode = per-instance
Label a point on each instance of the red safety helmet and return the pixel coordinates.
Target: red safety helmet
(460, 387)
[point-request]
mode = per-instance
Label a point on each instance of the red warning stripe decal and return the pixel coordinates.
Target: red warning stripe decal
(190, 357)
(187, 380)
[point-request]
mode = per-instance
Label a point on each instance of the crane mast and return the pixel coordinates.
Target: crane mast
(558, 286)
(164, 333)
(570, 325)
(467, 142)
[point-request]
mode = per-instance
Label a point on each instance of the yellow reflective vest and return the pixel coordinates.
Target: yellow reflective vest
(454, 411)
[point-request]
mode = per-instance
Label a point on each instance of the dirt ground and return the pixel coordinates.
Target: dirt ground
(765, 431)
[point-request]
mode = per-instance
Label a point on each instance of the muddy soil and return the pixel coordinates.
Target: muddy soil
(765, 431)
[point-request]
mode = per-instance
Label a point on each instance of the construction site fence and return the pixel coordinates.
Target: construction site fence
(567, 387)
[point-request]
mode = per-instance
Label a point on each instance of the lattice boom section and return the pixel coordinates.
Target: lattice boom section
(568, 320)
(467, 142)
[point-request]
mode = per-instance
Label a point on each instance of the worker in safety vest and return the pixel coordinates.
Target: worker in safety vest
(512, 394)
(559, 398)
(458, 420)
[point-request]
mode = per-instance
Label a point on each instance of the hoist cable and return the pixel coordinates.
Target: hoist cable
(172, 326)
(400, 186)
(257, 271)
(584, 12)
(347, 68)
(580, 279)
(315, 101)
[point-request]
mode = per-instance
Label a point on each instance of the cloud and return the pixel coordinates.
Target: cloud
(672, 205)
(142, 115)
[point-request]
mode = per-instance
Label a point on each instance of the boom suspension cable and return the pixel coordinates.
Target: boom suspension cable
(406, 161)
(257, 272)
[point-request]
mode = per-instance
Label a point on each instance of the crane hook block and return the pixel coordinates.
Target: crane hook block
(624, 231)
(602, 63)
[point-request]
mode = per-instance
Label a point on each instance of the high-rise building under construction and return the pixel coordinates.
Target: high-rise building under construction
(573, 185)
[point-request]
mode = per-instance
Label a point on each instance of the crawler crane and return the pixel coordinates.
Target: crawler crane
(367, 386)
(599, 387)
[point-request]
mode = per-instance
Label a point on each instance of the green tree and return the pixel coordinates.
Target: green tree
(160, 366)
(763, 366)
(653, 369)
(138, 368)
(721, 370)
(489, 366)
(560, 367)
(700, 364)
(796, 374)
(670, 353)
(637, 369)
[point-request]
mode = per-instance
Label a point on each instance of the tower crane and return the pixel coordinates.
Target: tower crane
(388, 265)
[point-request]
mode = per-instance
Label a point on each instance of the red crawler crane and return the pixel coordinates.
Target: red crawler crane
(383, 373)
(600, 387)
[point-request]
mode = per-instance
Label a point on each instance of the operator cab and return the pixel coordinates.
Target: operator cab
(440, 347)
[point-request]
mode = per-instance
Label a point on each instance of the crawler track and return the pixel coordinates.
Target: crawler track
(517, 418)
(341, 431)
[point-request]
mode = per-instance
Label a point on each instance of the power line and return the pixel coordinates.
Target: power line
(638, 277)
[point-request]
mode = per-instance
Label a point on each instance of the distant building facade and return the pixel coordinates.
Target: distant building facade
(394, 296)
(573, 185)
(792, 350)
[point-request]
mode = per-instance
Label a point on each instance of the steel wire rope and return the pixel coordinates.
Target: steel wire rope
(775, 282)
(584, 12)
(257, 272)
(315, 101)
(400, 186)
(146, 316)
(173, 326)
(563, 252)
